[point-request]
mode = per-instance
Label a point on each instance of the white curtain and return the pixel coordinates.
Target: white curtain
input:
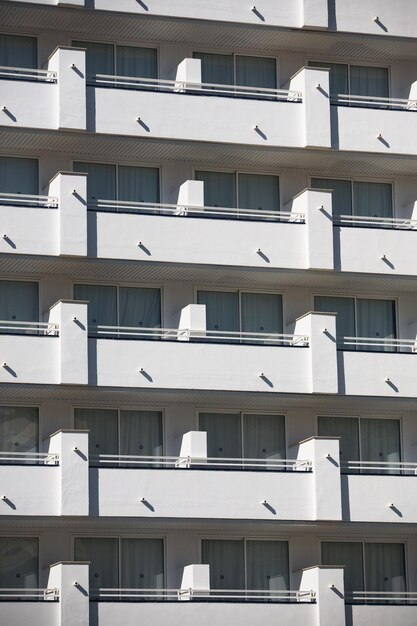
(224, 434)
(102, 303)
(99, 57)
(19, 562)
(141, 433)
(261, 312)
(341, 196)
(103, 555)
(227, 563)
(345, 309)
(267, 565)
(138, 184)
(140, 307)
(101, 180)
(349, 554)
(17, 51)
(19, 176)
(103, 427)
(376, 319)
(142, 563)
(256, 72)
(216, 68)
(222, 309)
(372, 199)
(19, 302)
(369, 81)
(347, 428)
(19, 429)
(136, 62)
(339, 77)
(219, 188)
(263, 436)
(258, 192)
(380, 441)
(385, 567)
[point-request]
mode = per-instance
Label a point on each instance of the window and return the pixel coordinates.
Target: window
(19, 562)
(257, 192)
(19, 302)
(19, 176)
(242, 311)
(360, 317)
(358, 80)
(141, 562)
(18, 51)
(120, 182)
(351, 197)
(368, 566)
(364, 439)
(250, 564)
(244, 435)
(121, 306)
(107, 58)
(19, 429)
(114, 431)
(234, 69)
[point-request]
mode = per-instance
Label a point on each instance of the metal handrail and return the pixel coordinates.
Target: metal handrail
(173, 334)
(210, 594)
(44, 328)
(359, 220)
(34, 457)
(46, 202)
(137, 82)
(410, 344)
(398, 466)
(41, 594)
(382, 596)
(180, 210)
(25, 72)
(382, 101)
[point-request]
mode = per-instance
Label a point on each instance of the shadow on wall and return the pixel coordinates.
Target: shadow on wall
(331, 10)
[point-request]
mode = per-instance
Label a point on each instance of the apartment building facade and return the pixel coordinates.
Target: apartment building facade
(208, 312)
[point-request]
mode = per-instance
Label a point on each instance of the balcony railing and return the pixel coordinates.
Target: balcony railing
(167, 462)
(212, 595)
(380, 467)
(373, 222)
(28, 458)
(13, 595)
(402, 104)
(33, 328)
(381, 597)
(196, 89)
(377, 344)
(22, 73)
(27, 200)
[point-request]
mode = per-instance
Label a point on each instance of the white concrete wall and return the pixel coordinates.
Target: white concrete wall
(24, 613)
(29, 490)
(43, 109)
(389, 499)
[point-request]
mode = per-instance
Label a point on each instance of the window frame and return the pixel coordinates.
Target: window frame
(34, 36)
(234, 54)
(39, 283)
(349, 63)
(31, 158)
(117, 42)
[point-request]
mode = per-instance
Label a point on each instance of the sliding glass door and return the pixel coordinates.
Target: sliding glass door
(102, 424)
(19, 176)
(361, 198)
(19, 562)
(19, 302)
(110, 59)
(348, 554)
(19, 429)
(224, 434)
(358, 80)
(243, 71)
(103, 555)
(18, 51)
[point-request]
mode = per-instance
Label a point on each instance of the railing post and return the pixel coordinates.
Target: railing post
(313, 82)
(71, 190)
(72, 448)
(195, 578)
(71, 578)
(328, 583)
(315, 14)
(71, 316)
(316, 204)
(192, 322)
(321, 330)
(191, 193)
(327, 492)
(69, 63)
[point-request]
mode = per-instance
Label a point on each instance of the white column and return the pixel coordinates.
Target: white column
(315, 14)
(71, 316)
(194, 445)
(195, 578)
(320, 328)
(313, 83)
(71, 578)
(72, 93)
(72, 448)
(191, 194)
(328, 583)
(71, 190)
(316, 204)
(192, 322)
(188, 71)
(327, 495)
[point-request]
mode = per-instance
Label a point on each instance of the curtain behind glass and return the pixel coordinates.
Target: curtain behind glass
(347, 428)
(258, 192)
(142, 563)
(376, 319)
(17, 51)
(19, 429)
(103, 555)
(341, 196)
(256, 72)
(345, 309)
(141, 433)
(369, 81)
(140, 307)
(385, 567)
(349, 554)
(216, 68)
(261, 313)
(227, 563)
(103, 427)
(101, 181)
(136, 62)
(19, 302)
(224, 434)
(263, 437)
(219, 188)
(222, 309)
(19, 176)
(338, 79)
(138, 184)
(102, 303)
(99, 57)
(380, 441)
(19, 562)
(267, 565)
(372, 199)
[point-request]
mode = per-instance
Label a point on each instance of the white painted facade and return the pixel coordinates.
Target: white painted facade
(284, 317)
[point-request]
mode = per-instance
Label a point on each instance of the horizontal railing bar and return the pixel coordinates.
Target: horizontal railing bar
(181, 462)
(388, 463)
(186, 330)
(373, 99)
(376, 342)
(209, 594)
(40, 455)
(383, 593)
(368, 218)
(28, 70)
(33, 324)
(20, 198)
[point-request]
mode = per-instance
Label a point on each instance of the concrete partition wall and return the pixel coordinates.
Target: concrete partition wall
(71, 579)
(71, 316)
(71, 191)
(328, 583)
(72, 448)
(316, 204)
(313, 82)
(320, 328)
(69, 63)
